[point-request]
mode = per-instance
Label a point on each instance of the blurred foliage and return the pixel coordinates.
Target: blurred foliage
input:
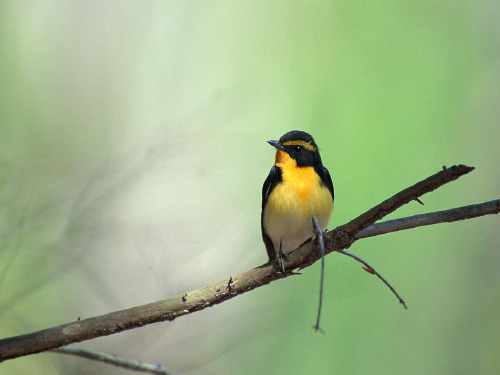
(132, 153)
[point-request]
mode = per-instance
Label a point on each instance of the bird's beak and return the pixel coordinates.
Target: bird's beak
(277, 145)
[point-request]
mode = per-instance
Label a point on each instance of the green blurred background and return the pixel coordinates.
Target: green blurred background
(132, 153)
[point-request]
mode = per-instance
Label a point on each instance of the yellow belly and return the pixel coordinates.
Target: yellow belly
(290, 206)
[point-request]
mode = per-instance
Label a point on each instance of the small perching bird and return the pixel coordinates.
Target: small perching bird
(298, 187)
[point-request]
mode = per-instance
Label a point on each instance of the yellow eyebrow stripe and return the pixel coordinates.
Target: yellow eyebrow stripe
(304, 144)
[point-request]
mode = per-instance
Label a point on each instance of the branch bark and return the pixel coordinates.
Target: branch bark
(169, 309)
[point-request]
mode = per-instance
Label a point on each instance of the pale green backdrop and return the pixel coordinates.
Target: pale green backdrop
(132, 153)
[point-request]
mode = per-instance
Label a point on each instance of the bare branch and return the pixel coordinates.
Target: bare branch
(113, 360)
(407, 195)
(447, 216)
(169, 309)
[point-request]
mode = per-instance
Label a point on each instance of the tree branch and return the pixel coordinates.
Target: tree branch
(113, 360)
(447, 216)
(186, 303)
(407, 195)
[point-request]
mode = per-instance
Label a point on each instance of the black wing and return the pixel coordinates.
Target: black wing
(325, 178)
(270, 183)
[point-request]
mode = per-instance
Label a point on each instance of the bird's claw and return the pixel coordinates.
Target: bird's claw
(280, 260)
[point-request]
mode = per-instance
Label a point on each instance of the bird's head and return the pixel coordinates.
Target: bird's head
(296, 149)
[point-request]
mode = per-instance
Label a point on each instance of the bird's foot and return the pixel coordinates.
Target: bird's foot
(280, 260)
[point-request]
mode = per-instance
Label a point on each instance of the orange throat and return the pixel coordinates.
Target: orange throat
(283, 160)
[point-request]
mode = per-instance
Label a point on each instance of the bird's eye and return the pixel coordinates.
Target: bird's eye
(298, 149)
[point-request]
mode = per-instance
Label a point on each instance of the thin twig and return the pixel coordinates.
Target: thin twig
(169, 309)
(113, 360)
(319, 235)
(372, 270)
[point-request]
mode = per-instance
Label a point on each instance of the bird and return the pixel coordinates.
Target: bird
(297, 187)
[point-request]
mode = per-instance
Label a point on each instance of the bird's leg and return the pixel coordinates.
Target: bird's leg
(280, 259)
